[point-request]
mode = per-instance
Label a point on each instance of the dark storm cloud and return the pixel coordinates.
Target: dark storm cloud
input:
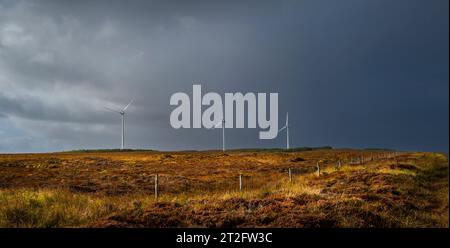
(351, 73)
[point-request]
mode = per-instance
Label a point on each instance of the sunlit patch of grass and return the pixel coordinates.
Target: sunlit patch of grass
(396, 172)
(299, 185)
(44, 208)
(350, 168)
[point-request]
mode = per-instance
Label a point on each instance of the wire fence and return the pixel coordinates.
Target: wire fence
(248, 181)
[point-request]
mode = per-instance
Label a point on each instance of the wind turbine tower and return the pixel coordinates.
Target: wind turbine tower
(122, 113)
(223, 135)
(222, 123)
(286, 126)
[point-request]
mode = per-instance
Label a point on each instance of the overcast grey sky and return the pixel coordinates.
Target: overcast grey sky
(351, 73)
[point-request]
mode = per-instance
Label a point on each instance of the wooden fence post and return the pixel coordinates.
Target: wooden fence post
(156, 186)
(240, 182)
(318, 169)
(290, 175)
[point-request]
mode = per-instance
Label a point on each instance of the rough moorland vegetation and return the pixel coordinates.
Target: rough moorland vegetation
(371, 188)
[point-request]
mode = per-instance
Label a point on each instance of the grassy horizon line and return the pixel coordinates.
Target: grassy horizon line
(273, 149)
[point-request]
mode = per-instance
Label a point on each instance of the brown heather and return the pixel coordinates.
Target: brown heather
(201, 189)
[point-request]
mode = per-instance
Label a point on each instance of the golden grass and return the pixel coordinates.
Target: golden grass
(48, 208)
(201, 190)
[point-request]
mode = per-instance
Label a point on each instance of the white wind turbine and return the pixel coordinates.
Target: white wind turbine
(286, 126)
(218, 125)
(122, 113)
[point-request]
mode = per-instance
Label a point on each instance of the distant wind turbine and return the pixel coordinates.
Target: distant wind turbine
(218, 125)
(286, 126)
(122, 113)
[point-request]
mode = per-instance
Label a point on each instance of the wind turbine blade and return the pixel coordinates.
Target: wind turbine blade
(287, 119)
(282, 129)
(128, 105)
(112, 110)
